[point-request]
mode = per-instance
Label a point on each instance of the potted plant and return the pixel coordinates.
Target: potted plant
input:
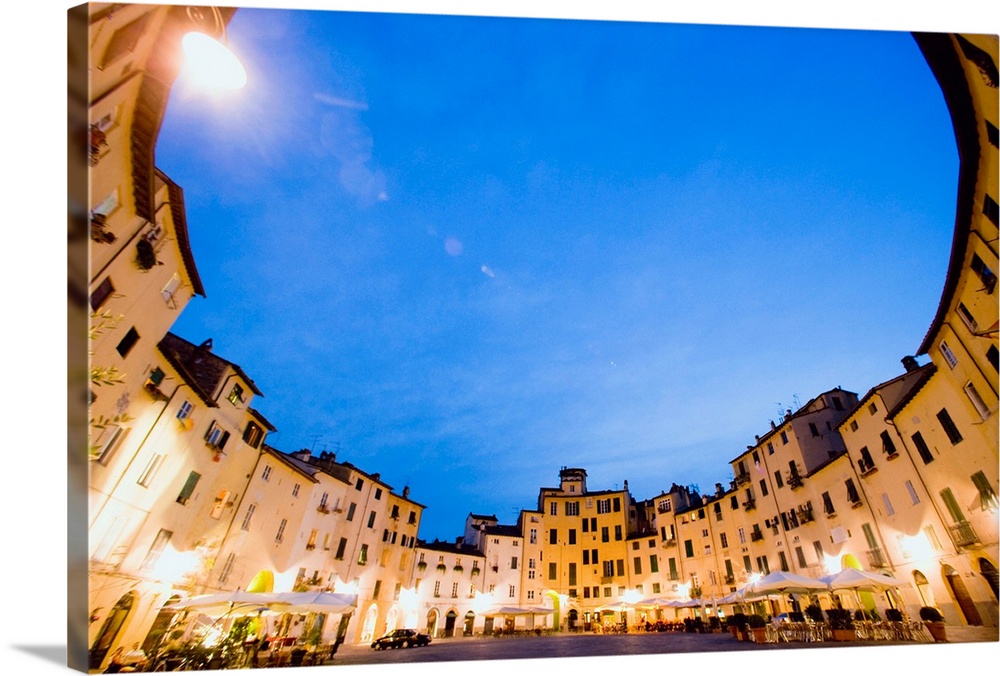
(814, 613)
(934, 621)
(796, 616)
(841, 624)
(758, 628)
(893, 615)
(738, 626)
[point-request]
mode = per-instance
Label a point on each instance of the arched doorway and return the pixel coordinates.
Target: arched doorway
(432, 621)
(161, 625)
(923, 589)
(391, 619)
(961, 594)
(571, 617)
(556, 617)
(470, 620)
(109, 630)
(449, 623)
(989, 571)
(368, 629)
(866, 598)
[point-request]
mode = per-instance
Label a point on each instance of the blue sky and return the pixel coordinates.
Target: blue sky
(468, 251)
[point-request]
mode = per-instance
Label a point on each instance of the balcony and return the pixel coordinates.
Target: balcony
(866, 468)
(742, 478)
(749, 505)
(963, 534)
(805, 515)
(323, 509)
(794, 481)
(670, 543)
(876, 559)
(756, 536)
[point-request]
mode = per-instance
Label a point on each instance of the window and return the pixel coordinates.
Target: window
(922, 449)
(593, 557)
(437, 588)
(359, 484)
(413, 517)
(654, 564)
(770, 448)
(970, 321)
(741, 534)
(777, 478)
(533, 536)
(155, 549)
(852, 492)
(236, 394)
(637, 565)
(872, 408)
(689, 548)
(572, 574)
(253, 434)
(990, 207)
(363, 555)
(101, 294)
(724, 540)
(184, 412)
(784, 437)
(889, 511)
(800, 557)
(513, 563)
(572, 536)
(553, 508)
(295, 490)
(604, 506)
(341, 547)
(265, 475)
(948, 425)
(149, 473)
(828, 504)
(350, 511)
(993, 357)
(553, 571)
(371, 519)
(783, 562)
(987, 496)
(977, 401)
(573, 508)
(948, 355)
(248, 517)
(734, 502)
(604, 534)
(609, 568)
(617, 504)
(618, 532)
(108, 442)
(216, 437)
(280, 535)
(837, 405)
(620, 567)
(763, 487)
(227, 568)
(888, 447)
(511, 591)
(454, 590)
(553, 536)
(188, 489)
(813, 430)
(865, 463)
(128, 342)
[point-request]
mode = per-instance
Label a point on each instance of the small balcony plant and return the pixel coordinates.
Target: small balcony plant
(841, 624)
(758, 628)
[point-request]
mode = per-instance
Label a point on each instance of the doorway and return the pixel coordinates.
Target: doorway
(110, 629)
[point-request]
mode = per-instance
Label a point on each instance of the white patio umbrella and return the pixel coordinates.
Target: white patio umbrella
(851, 579)
(234, 603)
(781, 582)
(315, 602)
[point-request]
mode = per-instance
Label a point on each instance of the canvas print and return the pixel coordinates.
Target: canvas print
(419, 338)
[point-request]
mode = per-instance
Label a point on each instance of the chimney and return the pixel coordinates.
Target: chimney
(406, 491)
(910, 364)
(788, 413)
(718, 490)
(772, 425)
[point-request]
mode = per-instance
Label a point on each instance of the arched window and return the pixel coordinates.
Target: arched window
(923, 589)
(109, 630)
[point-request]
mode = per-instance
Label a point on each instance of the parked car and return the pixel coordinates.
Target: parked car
(401, 638)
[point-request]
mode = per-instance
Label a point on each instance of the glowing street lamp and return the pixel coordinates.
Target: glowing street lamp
(210, 64)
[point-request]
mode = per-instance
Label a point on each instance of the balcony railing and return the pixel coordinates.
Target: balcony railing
(756, 536)
(670, 543)
(743, 478)
(876, 559)
(963, 534)
(749, 505)
(794, 481)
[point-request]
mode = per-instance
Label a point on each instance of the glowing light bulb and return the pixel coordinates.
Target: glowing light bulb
(210, 64)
